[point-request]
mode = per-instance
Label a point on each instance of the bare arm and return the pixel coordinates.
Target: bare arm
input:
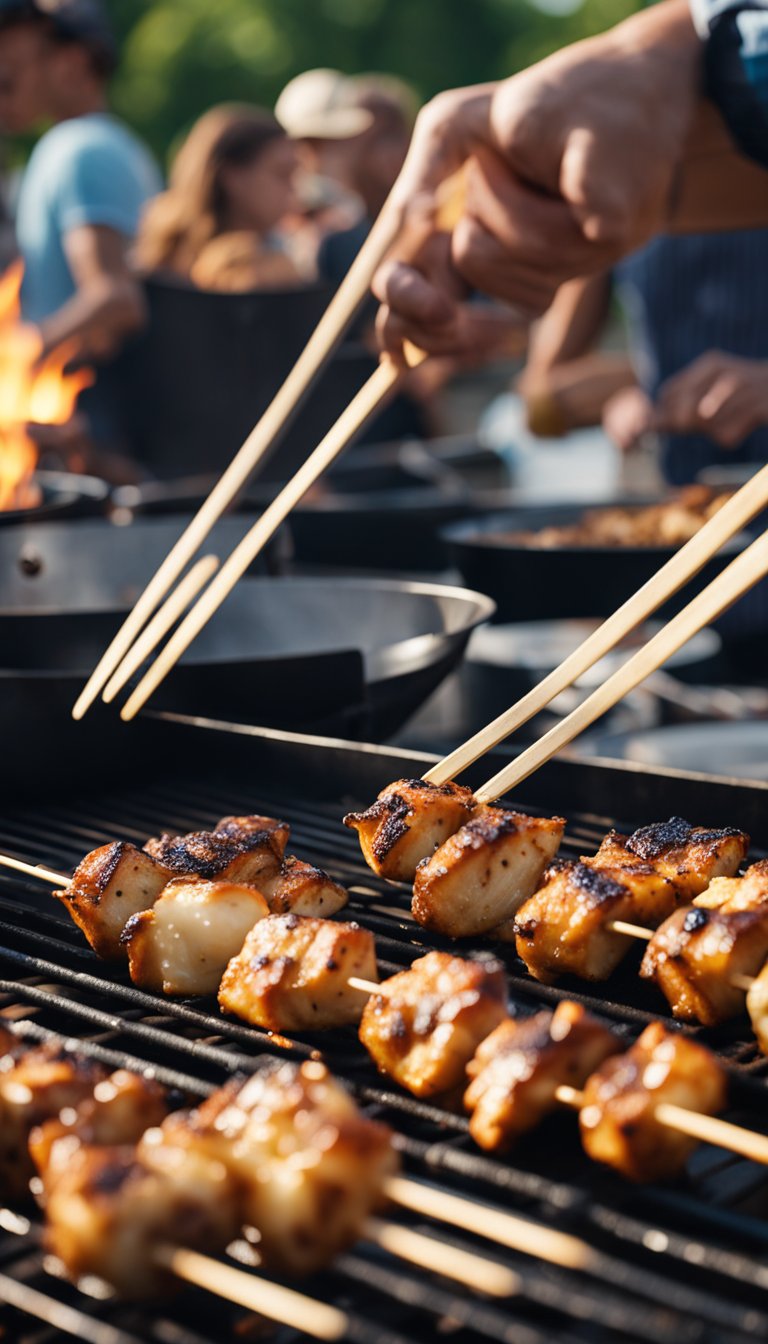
(107, 304)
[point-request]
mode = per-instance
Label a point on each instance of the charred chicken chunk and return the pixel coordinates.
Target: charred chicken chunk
(757, 1007)
(563, 928)
(481, 875)
(617, 1118)
(302, 889)
(182, 945)
(33, 1088)
(247, 856)
(695, 955)
(109, 1210)
(737, 893)
(111, 884)
(292, 972)
(280, 831)
(118, 1111)
(407, 823)
(517, 1070)
(690, 856)
(425, 1026)
(310, 1166)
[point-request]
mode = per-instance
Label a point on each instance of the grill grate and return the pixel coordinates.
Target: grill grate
(652, 1281)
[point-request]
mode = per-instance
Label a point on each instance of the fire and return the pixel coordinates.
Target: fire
(32, 392)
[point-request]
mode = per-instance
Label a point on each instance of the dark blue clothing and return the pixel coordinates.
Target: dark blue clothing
(684, 296)
(736, 67)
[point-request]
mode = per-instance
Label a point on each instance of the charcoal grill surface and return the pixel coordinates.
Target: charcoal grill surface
(684, 1262)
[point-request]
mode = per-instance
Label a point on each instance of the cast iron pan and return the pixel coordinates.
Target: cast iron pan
(529, 583)
(62, 495)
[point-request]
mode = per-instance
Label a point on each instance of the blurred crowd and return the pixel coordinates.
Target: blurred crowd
(284, 198)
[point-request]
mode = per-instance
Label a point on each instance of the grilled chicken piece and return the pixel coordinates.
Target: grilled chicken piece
(563, 929)
(690, 856)
(111, 884)
(517, 1070)
(737, 893)
(757, 1007)
(247, 856)
(279, 830)
(33, 1088)
(481, 875)
(291, 974)
(426, 1025)
(407, 823)
(311, 1167)
(182, 945)
(695, 955)
(109, 1209)
(302, 889)
(118, 1111)
(618, 1124)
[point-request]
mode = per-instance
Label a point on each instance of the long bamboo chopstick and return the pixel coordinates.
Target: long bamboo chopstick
(744, 505)
(370, 397)
(321, 344)
(739, 576)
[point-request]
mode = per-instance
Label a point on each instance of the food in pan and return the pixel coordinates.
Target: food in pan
(183, 944)
(292, 974)
(407, 823)
(670, 523)
(479, 877)
(516, 1071)
(566, 926)
(425, 1025)
(618, 1120)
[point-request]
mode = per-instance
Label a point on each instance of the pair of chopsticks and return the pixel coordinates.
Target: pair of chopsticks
(146, 625)
(737, 578)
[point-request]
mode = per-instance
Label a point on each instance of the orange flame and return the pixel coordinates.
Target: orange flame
(32, 391)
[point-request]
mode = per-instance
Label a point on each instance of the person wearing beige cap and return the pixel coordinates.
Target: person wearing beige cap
(316, 105)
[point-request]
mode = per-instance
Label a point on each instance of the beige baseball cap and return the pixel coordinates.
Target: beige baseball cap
(318, 105)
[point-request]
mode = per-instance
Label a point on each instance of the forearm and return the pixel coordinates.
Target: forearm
(99, 315)
(573, 395)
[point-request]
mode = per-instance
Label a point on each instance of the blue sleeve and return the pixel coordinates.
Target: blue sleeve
(736, 67)
(98, 184)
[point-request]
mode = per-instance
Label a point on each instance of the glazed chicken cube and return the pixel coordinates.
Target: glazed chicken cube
(737, 893)
(111, 884)
(690, 856)
(183, 944)
(617, 1117)
(302, 889)
(310, 1166)
(292, 971)
(563, 928)
(481, 875)
(757, 1007)
(234, 856)
(695, 955)
(425, 1026)
(117, 1111)
(33, 1088)
(517, 1070)
(408, 822)
(280, 831)
(110, 1209)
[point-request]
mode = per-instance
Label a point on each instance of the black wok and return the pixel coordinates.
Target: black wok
(532, 583)
(63, 494)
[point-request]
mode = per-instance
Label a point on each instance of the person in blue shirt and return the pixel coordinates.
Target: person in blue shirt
(85, 185)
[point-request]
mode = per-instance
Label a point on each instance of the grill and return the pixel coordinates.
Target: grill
(674, 1264)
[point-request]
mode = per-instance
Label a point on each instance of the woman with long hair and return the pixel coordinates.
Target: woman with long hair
(231, 184)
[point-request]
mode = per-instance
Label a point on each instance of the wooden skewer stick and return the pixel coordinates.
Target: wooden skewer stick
(739, 576)
(471, 1270)
(321, 344)
(706, 1128)
(161, 623)
(35, 870)
(730, 519)
(381, 383)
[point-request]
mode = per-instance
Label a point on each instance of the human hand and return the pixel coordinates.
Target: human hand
(721, 395)
(570, 166)
(627, 415)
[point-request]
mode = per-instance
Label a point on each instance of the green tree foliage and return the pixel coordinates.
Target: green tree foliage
(181, 56)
